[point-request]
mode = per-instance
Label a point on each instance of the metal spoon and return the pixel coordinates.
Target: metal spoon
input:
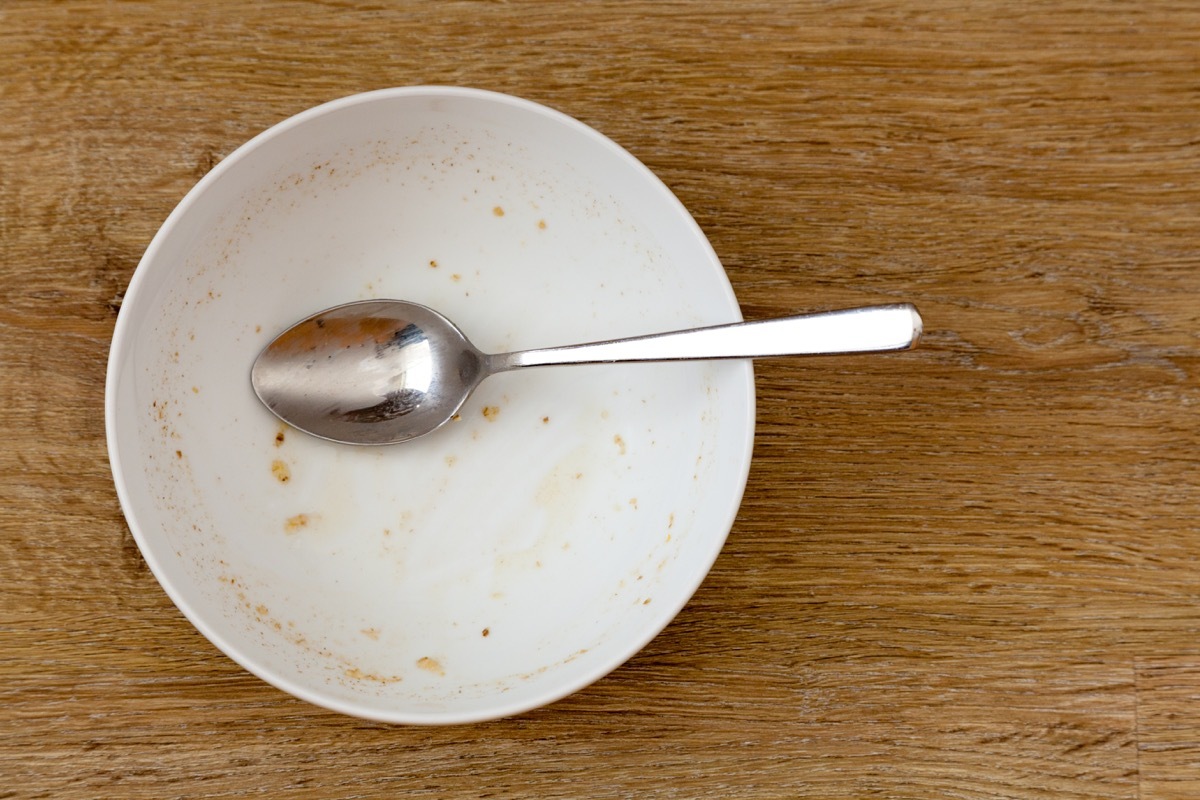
(386, 371)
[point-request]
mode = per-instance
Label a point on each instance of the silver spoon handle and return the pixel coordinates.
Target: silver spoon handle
(856, 330)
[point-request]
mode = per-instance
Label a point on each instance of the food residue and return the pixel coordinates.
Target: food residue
(279, 437)
(619, 442)
(486, 631)
(433, 263)
(545, 420)
(280, 470)
(498, 211)
(490, 413)
(297, 522)
(541, 224)
(431, 665)
(354, 673)
(371, 633)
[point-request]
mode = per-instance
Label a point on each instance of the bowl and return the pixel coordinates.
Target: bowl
(520, 554)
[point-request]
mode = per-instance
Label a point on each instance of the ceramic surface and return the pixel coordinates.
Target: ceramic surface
(501, 563)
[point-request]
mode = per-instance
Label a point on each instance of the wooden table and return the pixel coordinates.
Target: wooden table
(970, 572)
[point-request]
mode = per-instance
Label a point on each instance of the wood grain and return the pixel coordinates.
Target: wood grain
(970, 571)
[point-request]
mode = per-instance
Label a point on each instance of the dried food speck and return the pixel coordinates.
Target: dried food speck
(491, 412)
(297, 522)
(431, 665)
(281, 471)
(498, 211)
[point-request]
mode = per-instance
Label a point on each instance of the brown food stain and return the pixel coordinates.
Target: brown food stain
(491, 412)
(671, 520)
(431, 665)
(541, 224)
(633, 503)
(620, 443)
(371, 633)
(498, 211)
(486, 632)
(433, 263)
(279, 437)
(545, 420)
(280, 470)
(354, 673)
(297, 522)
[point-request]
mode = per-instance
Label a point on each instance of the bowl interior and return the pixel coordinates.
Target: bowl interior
(524, 551)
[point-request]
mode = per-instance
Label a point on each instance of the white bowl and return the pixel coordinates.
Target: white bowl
(496, 565)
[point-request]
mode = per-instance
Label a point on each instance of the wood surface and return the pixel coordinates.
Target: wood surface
(970, 571)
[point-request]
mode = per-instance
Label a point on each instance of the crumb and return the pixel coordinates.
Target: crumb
(279, 437)
(431, 665)
(490, 413)
(456, 418)
(179, 454)
(486, 632)
(498, 211)
(433, 263)
(280, 470)
(545, 420)
(297, 522)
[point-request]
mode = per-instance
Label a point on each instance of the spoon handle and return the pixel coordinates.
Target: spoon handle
(870, 329)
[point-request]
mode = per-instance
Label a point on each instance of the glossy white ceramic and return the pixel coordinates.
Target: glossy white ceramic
(519, 554)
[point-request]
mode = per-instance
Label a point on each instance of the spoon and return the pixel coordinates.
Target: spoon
(385, 371)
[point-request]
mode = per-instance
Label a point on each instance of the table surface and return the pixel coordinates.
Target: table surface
(971, 571)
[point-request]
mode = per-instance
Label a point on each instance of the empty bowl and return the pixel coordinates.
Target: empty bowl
(517, 555)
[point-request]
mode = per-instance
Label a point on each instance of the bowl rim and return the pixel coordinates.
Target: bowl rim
(125, 329)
